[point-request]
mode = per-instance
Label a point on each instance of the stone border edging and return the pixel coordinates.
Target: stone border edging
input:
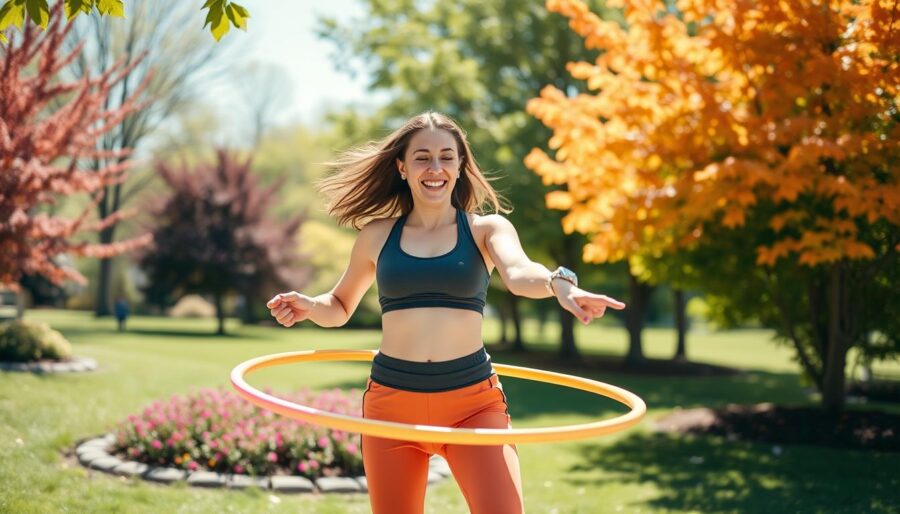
(93, 454)
(76, 365)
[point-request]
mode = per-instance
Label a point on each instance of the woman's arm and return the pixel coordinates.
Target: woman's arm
(334, 308)
(523, 277)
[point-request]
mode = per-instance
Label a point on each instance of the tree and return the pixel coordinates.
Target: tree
(768, 129)
(221, 15)
(265, 89)
(479, 62)
(213, 236)
(46, 127)
(172, 62)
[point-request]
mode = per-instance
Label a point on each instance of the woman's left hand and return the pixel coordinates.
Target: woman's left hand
(583, 304)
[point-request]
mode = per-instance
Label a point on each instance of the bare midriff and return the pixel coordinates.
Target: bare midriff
(431, 334)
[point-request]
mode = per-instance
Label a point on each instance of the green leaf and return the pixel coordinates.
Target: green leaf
(241, 10)
(73, 8)
(221, 29)
(6, 15)
(76, 7)
(3, 38)
(236, 19)
(111, 7)
(215, 12)
(38, 11)
(217, 20)
(12, 13)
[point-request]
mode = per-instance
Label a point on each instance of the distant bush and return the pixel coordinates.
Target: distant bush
(218, 430)
(25, 341)
(193, 306)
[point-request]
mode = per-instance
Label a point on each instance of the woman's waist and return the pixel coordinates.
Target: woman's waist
(431, 376)
(429, 348)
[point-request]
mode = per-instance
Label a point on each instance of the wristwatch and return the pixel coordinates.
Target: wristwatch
(563, 273)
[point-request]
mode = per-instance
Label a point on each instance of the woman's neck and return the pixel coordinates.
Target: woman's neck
(431, 218)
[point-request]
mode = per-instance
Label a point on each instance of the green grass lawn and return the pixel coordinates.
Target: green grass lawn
(635, 471)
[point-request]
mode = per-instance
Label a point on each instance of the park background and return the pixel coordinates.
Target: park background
(726, 169)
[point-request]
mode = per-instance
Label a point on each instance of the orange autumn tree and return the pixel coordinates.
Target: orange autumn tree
(763, 128)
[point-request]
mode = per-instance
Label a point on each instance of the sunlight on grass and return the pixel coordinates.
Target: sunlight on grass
(625, 472)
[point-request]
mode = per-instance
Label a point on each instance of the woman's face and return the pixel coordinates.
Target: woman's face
(432, 159)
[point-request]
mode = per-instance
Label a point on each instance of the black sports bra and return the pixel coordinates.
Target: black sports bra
(458, 279)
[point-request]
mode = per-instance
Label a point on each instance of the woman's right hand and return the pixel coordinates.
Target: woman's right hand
(290, 308)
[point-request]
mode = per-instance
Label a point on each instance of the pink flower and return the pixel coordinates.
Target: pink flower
(323, 442)
(352, 449)
(272, 457)
(192, 465)
(302, 467)
(238, 468)
(314, 464)
(156, 444)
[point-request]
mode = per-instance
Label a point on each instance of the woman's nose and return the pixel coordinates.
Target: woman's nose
(435, 164)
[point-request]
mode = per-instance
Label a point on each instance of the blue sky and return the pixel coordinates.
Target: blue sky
(281, 32)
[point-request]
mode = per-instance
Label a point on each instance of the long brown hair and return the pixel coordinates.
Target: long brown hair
(366, 184)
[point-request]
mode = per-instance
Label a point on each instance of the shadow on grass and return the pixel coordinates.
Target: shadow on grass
(529, 399)
(711, 474)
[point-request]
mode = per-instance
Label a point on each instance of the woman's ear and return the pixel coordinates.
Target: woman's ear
(399, 164)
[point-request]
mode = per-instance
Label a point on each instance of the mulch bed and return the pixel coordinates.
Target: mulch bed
(876, 390)
(767, 423)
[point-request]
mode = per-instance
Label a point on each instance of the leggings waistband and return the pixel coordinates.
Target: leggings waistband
(432, 376)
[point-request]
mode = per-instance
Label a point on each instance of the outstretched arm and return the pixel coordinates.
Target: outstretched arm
(334, 308)
(523, 277)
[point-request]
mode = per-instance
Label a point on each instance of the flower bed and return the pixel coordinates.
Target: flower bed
(217, 430)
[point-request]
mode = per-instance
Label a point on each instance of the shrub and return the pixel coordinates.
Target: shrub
(24, 341)
(217, 430)
(193, 306)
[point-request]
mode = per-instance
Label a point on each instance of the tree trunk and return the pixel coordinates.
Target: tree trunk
(20, 303)
(542, 314)
(501, 313)
(104, 279)
(220, 313)
(680, 326)
(570, 258)
(518, 343)
(567, 348)
(634, 320)
(248, 315)
(833, 382)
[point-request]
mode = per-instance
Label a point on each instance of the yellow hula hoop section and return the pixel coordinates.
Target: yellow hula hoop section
(436, 434)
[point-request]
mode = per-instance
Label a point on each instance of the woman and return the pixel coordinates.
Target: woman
(432, 265)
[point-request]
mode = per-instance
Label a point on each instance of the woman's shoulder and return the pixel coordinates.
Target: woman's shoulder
(374, 233)
(487, 222)
(378, 224)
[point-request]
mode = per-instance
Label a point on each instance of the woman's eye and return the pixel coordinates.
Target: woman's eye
(421, 159)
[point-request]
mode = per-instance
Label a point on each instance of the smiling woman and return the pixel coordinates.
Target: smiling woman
(432, 263)
(370, 182)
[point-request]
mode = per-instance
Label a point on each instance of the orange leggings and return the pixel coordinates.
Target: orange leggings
(397, 471)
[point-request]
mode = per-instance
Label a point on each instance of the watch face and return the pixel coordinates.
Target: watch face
(566, 272)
